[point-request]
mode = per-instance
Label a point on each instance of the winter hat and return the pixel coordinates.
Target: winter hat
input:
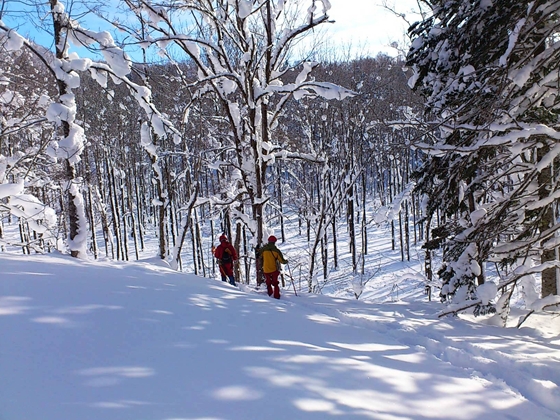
(223, 238)
(272, 239)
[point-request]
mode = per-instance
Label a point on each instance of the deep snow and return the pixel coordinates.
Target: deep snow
(91, 340)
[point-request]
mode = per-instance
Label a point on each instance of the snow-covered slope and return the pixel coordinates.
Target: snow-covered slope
(133, 341)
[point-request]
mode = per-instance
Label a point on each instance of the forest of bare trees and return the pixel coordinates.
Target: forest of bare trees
(334, 159)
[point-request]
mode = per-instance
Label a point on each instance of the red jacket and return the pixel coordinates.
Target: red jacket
(225, 247)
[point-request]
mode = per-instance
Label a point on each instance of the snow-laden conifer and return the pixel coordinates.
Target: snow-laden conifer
(488, 70)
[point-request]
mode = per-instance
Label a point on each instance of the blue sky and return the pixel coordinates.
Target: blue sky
(363, 25)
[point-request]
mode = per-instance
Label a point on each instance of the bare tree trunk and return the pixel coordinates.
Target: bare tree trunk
(114, 210)
(333, 225)
(351, 229)
(212, 236)
(62, 204)
(124, 221)
(401, 235)
(200, 248)
(139, 211)
(194, 247)
(185, 222)
(280, 203)
(324, 255)
(237, 245)
(133, 221)
(407, 230)
(171, 208)
(414, 224)
(549, 281)
(364, 221)
(100, 192)
(160, 204)
(23, 237)
(246, 256)
(94, 248)
(393, 238)
(76, 218)
(428, 261)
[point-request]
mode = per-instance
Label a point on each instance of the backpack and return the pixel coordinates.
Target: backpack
(226, 257)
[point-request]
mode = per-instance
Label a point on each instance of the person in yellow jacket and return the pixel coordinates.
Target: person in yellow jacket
(271, 259)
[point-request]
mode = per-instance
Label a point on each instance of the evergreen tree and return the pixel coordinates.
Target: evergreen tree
(489, 73)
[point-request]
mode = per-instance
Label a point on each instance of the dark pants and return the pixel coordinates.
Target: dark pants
(272, 281)
(226, 270)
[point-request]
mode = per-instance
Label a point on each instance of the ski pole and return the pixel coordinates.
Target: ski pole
(291, 278)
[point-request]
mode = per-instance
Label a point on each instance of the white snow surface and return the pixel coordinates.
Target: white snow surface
(9, 189)
(90, 340)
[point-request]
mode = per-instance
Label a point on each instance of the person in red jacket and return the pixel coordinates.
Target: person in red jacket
(271, 260)
(226, 255)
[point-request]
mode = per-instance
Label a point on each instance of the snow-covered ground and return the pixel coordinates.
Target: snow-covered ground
(92, 340)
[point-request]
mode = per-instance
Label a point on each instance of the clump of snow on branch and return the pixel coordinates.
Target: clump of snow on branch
(9, 189)
(12, 41)
(391, 211)
(487, 292)
(39, 217)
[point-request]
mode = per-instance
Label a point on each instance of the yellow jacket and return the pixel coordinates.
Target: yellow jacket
(272, 258)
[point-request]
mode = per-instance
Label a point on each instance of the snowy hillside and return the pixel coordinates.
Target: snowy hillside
(134, 341)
